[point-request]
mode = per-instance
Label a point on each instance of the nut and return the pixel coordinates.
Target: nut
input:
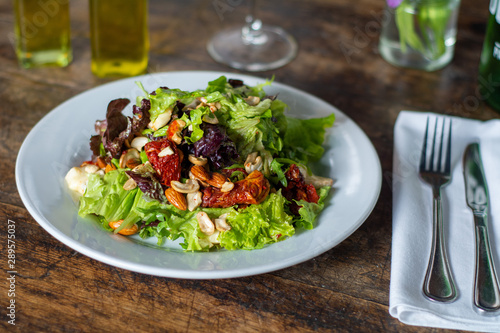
(177, 138)
(176, 198)
(221, 224)
(161, 120)
(227, 187)
(197, 160)
(139, 142)
(201, 182)
(210, 118)
(193, 200)
(145, 167)
(178, 126)
(253, 162)
(214, 106)
(130, 184)
(214, 238)
(166, 152)
(194, 103)
(206, 225)
(252, 100)
(125, 231)
(190, 186)
(130, 159)
(316, 181)
(217, 180)
(200, 173)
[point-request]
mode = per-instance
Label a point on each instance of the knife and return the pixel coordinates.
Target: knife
(486, 290)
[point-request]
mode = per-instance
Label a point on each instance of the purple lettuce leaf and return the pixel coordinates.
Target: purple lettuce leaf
(216, 146)
(117, 127)
(141, 117)
(95, 146)
(147, 181)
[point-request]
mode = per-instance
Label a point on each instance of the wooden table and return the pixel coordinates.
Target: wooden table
(344, 289)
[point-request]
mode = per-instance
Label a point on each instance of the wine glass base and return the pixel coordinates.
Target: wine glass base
(273, 49)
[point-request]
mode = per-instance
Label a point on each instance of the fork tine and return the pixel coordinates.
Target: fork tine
(424, 148)
(448, 152)
(440, 156)
(431, 166)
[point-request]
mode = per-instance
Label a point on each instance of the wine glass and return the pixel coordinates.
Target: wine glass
(253, 47)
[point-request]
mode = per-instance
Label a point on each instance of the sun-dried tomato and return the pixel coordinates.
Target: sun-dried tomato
(175, 127)
(249, 191)
(168, 166)
(297, 189)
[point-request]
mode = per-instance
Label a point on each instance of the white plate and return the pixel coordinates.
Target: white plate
(60, 141)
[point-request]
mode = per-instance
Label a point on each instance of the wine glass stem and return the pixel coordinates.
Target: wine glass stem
(252, 33)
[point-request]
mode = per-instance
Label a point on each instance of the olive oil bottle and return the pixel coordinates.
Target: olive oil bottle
(119, 37)
(42, 33)
(489, 67)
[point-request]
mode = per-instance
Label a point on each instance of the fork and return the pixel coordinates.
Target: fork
(438, 283)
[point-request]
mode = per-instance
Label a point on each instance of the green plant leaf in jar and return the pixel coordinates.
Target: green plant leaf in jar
(422, 26)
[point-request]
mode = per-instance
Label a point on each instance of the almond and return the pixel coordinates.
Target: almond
(214, 179)
(176, 198)
(200, 173)
(217, 180)
(125, 231)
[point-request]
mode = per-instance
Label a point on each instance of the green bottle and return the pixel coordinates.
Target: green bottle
(489, 66)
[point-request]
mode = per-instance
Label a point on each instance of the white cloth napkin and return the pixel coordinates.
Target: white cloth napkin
(412, 223)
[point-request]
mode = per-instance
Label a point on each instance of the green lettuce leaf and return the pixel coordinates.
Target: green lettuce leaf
(258, 225)
(163, 100)
(310, 210)
(195, 119)
(106, 198)
(304, 138)
(217, 85)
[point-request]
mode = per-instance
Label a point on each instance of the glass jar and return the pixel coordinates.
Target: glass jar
(419, 34)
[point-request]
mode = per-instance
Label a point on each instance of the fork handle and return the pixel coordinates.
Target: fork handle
(438, 284)
(486, 290)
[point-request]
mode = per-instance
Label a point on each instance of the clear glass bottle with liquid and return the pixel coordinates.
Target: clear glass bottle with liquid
(419, 34)
(119, 37)
(42, 32)
(489, 66)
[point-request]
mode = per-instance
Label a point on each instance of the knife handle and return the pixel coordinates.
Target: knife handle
(486, 290)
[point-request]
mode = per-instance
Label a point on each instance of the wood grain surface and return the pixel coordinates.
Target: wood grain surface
(345, 289)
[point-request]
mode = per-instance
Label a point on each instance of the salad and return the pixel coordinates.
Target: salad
(222, 167)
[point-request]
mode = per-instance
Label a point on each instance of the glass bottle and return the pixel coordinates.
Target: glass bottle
(43, 33)
(119, 37)
(489, 66)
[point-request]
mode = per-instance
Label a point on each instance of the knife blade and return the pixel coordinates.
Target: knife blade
(486, 288)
